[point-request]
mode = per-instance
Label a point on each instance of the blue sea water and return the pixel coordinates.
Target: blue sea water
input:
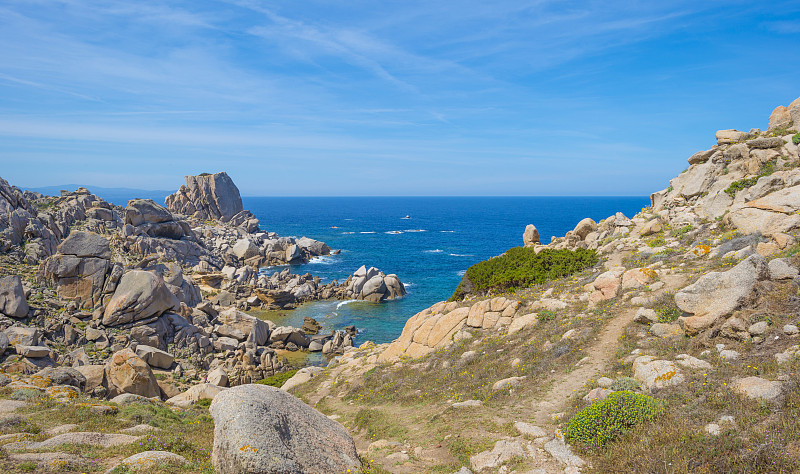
(429, 251)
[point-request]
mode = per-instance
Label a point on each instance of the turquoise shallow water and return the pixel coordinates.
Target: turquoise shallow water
(429, 251)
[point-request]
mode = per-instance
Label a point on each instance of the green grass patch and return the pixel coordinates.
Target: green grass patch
(277, 380)
(603, 421)
(522, 267)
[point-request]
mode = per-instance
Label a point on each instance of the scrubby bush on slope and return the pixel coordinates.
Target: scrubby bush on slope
(521, 267)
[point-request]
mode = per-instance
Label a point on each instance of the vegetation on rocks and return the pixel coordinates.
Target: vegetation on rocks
(522, 267)
(278, 380)
(605, 420)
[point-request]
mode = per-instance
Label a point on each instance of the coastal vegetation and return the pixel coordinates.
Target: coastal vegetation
(522, 267)
(605, 420)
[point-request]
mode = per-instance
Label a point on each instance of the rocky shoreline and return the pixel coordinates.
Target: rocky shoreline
(85, 281)
(692, 306)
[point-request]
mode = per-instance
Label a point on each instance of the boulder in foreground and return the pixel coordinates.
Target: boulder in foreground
(262, 429)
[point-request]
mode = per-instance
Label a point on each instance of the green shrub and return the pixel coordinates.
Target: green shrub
(603, 421)
(277, 380)
(203, 402)
(547, 315)
(766, 169)
(625, 383)
(666, 309)
(681, 231)
(26, 394)
(657, 242)
(796, 139)
(522, 267)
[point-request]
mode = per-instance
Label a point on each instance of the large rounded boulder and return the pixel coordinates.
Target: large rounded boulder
(262, 429)
(125, 372)
(139, 296)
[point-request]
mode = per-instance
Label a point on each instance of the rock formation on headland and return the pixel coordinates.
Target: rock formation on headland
(691, 311)
(207, 196)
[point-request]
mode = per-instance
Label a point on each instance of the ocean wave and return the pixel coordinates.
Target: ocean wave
(415, 230)
(348, 233)
(447, 231)
(368, 232)
(461, 273)
(344, 303)
(433, 251)
(322, 260)
(394, 232)
(460, 255)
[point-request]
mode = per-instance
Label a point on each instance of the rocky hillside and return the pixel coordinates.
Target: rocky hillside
(666, 341)
(682, 338)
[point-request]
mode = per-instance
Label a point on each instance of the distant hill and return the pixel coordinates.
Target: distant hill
(118, 196)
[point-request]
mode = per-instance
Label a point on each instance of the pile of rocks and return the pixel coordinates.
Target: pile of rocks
(370, 284)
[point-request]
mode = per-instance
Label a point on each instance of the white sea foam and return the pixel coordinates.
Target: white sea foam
(433, 251)
(394, 232)
(348, 233)
(368, 232)
(447, 231)
(415, 230)
(322, 260)
(460, 255)
(344, 303)
(461, 273)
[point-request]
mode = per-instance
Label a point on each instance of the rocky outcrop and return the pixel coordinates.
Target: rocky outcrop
(140, 297)
(155, 221)
(261, 429)
(373, 285)
(12, 297)
(435, 327)
(716, 294)
(531, 236)
(125, 372)
(41, 222)
(80, 268)
(209, 196)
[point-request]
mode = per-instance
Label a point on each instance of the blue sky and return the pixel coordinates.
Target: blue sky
(385, 98)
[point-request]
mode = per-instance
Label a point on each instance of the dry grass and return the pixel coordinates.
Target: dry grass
(189, 433)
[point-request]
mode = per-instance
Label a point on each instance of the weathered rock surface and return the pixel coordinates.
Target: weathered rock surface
(262, 429)
(758, 388)
(716, 294)
(139, 296)
(149, 460)
(656, 374)
(125, 372)
(203, 391)
(372, 285)
(207, 196)
(12, 297)
(531, 236)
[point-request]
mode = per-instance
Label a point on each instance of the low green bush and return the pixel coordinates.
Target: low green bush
(522, 267)
(766, 169)
(666, 309)
(26, 394)
(277, 380)
(796, 139)
(625, 383)
(604, 420)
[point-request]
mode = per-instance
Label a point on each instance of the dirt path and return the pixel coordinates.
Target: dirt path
(556, 400)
